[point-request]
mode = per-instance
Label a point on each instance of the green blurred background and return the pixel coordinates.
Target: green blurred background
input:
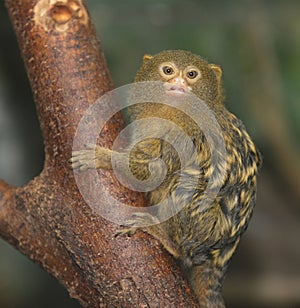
(258, 45)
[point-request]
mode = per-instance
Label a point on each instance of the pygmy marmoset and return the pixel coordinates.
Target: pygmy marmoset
(202, 239)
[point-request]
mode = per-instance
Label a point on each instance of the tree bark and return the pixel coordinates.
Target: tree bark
(47, 219)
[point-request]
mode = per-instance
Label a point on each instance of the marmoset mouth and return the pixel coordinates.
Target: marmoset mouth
(175, 89)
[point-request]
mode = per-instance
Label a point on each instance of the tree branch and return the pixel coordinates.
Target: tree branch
(47, 219)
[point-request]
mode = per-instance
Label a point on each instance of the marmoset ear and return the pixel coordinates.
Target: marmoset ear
(147, 57)
(217, 70)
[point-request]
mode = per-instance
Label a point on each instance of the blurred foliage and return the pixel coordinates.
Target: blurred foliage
(257, 43)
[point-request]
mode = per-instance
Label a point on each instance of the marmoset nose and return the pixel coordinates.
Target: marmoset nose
(179, 81)
(177, 85)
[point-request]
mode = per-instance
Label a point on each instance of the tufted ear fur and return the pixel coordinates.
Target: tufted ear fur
(217, 70)
(218, 73)
(147, 57)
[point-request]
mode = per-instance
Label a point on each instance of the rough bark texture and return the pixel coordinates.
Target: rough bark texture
(47, 219)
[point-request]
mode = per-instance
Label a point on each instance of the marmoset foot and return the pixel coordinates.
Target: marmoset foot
(138, 221)
(92, 157)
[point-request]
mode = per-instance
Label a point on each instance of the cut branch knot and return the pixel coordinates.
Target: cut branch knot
(58, 14)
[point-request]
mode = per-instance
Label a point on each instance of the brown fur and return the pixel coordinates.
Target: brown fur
(203, 239)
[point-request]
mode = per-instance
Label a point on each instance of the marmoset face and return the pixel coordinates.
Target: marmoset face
(183, 72)
(176, 80)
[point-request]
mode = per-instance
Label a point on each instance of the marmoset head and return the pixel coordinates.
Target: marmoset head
(183, 72)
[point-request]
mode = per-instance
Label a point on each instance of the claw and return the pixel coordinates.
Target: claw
(126, 231)
(76, 153)
(83, 168)
(90, 146)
